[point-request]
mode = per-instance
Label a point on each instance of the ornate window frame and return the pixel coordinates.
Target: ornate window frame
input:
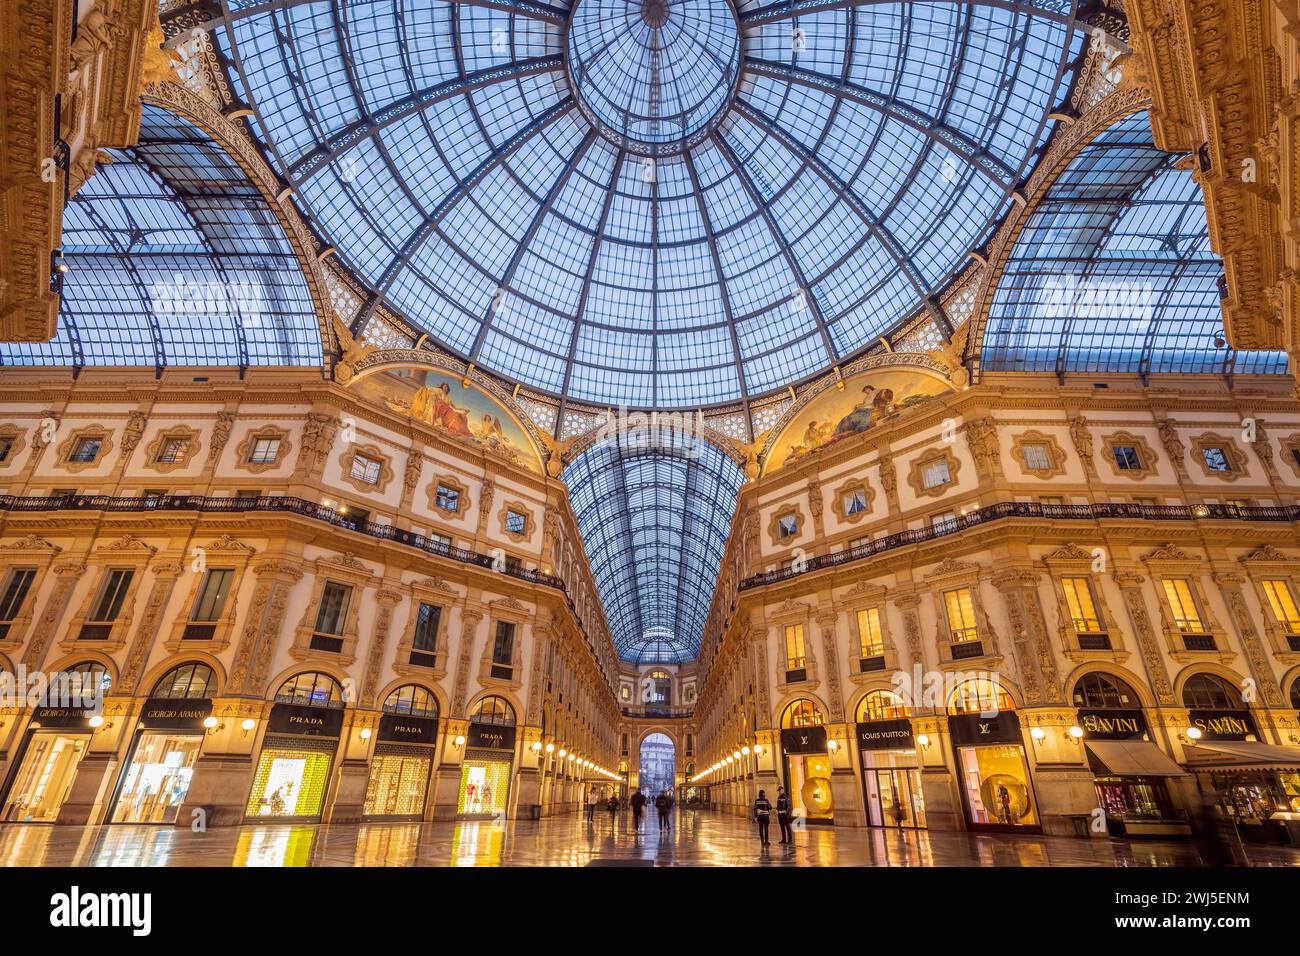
(518, 507)
(426, 591)
(19, 438)
(509, 610)
(28, 552)
(341, 569)
(126, 552)
(795, 612)
(164, 435)
(372, 453)
(464, 503)
(837, 500)
(916, 473)
(861, 597)
(1236, 457)
(1290, 446)
(792, 510)
(225, 552)
(249, 441)
(1266, 563)
(1169, 561)
(1145, 453)
(69, 445)
(1055, 453)
(948, 576)
(1072, 561)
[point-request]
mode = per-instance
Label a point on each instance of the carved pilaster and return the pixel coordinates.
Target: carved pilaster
(1230, 586)
(146, 631)
(909, 605)
(826, 621)
(1130, 584)
(47, 625)
(388, 599)
(1010, 586)
(469, 621)
(262, 627)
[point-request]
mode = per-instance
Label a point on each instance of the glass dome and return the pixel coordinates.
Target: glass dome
(658, 203)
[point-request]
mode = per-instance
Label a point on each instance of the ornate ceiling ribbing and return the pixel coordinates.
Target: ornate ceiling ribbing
(656, 202)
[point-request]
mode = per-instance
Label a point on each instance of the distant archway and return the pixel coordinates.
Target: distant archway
(658, 764)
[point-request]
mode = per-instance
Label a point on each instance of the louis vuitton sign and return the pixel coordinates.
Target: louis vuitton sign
(972, 730)
(804, 740)
(885, 735)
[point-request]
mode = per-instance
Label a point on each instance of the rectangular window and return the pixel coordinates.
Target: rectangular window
(943, 521)
(960, 605)
(855, 502)
(6, 446)
(1145, 502)
(859, 543)
(86, 449)
(448, 498)
(63, 492)
(787, 526)
(1282, 599)
(516, 523)
(1216, 459)
(1126, 458)
(111, 595)
(935, 474)
(264, 451)
(247, 494)
(869, 637)
(365, 469)
(439, 543)
(1238, 502)
(15, 592)
(1186, 617)
(1055, 500)
(503, 645)
(213, 594)
(173, 450)
(1037, 457)
(426, 628)
(1083, 610)
(333, 611)
(794, 649)
(514, 565)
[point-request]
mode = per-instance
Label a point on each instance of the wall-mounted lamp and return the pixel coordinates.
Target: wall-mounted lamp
(1076, 733)
(212, 725)
(459, 741)
(1191, 733)
(248, 724)
(365, 733)
(537, 746)
(550, 748)
(832, 745)
(745, 750)
(1039, 734)
(735, 754)
(923, 741)
(563, 752)
(758, 749)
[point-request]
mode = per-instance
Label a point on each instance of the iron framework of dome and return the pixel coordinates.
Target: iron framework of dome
(652, 202)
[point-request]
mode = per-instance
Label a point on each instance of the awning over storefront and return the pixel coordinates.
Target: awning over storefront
(1252, 754)
(1133, 758)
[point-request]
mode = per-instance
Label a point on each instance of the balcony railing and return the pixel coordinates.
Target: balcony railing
(1027, 509)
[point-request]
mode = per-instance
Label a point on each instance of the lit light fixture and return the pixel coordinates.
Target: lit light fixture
(731, 760)
(459, 741)
(570, 757)
(563, 752)
(550, 748)
(1076, 731)
(745, 750)
(735, 754)
(537, 746)
(923, 741)
(1194, 733)
(365, 733)
(833, 745)
(248, 724)
(209, 722)
(758, 749)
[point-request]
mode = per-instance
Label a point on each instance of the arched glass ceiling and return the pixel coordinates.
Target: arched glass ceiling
(1114, 273)
(176, 259)
(654, 522)
(652, 202)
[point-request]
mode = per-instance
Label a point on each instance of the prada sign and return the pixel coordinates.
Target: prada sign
(165, 714)
(305, 721)
(1112, 724)
(490, 737)
(972, 730)
(886, 735)
(804, 740)
(1223, 724)
(408, 730)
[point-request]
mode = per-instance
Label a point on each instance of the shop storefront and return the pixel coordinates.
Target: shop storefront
(293, 769)
(402, 764)
(489, 758)
(46, 765)
(808, 773)
(997, 793)
(161, 761)
(891, 777)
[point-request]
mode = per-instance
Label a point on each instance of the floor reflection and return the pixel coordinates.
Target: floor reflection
(696, 838)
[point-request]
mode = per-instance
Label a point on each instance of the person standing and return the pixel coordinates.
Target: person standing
(613, 810)
(638, 806)
(783, 814)
(762, 816)
(592, 800)
(664, 806)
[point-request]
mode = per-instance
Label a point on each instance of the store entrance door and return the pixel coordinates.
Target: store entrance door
(894, 798)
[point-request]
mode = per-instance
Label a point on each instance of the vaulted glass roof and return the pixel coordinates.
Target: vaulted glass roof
(652, 202)
(175, 258)
(1113, 271)
(654, 516)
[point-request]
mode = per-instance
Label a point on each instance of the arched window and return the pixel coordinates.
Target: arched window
(311, 689)
(881, 705)
(494, 710)
(802, 713)
(1208, 692)
(1099, 691)
(661, 684)
(89, 679)
(979, 695)
(1295, 694)
(411, 699)
(189, 681)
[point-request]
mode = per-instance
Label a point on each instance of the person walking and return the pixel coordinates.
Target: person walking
(762, 816)
(664, 805)
(592, 800)
(613, 810)
(783, 814)
(638, 806)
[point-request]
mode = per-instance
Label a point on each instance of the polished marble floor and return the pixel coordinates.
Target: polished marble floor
(697, 838)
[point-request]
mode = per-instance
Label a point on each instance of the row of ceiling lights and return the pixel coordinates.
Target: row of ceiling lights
(728, 760)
